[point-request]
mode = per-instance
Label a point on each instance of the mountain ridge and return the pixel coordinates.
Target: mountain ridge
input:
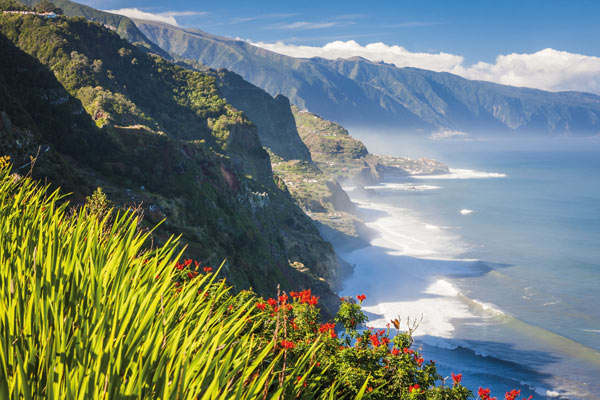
(356, 91)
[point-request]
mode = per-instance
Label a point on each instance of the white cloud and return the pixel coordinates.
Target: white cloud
(167, 17)
(374, 51)
(546, 69)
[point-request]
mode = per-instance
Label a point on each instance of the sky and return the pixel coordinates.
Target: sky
(548, 44)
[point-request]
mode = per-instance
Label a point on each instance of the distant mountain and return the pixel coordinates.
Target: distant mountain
(358, 92)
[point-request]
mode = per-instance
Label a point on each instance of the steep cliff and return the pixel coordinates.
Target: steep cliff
(104, 113)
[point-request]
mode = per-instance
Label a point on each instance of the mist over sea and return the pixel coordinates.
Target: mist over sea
(501, 257)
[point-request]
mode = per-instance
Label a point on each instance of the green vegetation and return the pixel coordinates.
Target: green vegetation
(119, 23)
(336, 152)
(89, 310)
(102, 113)
(13, 5)
(321, 197)
(345, 158)
(46, 6)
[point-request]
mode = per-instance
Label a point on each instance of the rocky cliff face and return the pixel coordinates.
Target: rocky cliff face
(271, 115)
(106, 114)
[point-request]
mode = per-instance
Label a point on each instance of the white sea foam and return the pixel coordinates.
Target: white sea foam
(591, 330)
(487, 307)
(399, 285)
(436, 312)
(549, 303)
(463, 174)
(402, 232)
(466, 211)
(403, 186)
(545, 392)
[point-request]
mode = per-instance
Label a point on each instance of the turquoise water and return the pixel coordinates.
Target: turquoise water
(536, 236)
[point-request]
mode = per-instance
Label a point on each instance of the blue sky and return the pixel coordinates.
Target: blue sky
(479, 30)
(546, 44)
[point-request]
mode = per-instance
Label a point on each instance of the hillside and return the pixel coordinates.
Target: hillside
(105, 113)
(358, 92)
(272, 116)
(347, 160)
(120, 24)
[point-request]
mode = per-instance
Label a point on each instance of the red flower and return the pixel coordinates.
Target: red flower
(286, 344)
(179, 266)
(272, 302)
(412, 388)
(375, 341)
(261, 306)
(187, 262)
(293, 294)
(326, 327)
(485, 394)
(207, 269)
(385, 341)
(283, 298)
(299, 378)
(395, 352)
(361, 297)
(192, 275)
(512, 395)
(418, 360)
(407, 351)
(456, 378)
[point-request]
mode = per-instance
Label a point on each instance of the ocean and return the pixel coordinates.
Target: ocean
(499, 261)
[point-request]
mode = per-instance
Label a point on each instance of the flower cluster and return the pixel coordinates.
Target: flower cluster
(305, 296)
(456, 379)
(484, 394)
(328, 328)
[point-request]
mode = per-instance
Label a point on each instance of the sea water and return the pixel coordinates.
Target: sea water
(499, 261)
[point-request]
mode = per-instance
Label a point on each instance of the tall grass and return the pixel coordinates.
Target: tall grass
(88, 311)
